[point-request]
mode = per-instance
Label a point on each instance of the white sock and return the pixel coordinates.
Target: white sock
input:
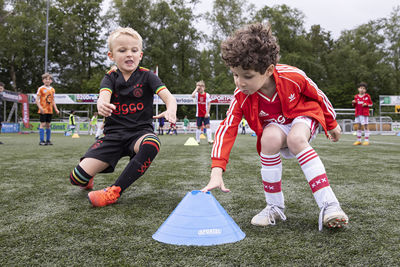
(366, 135)
(359, 135)
(271, 173)
(209, 134)
(198, 132)
(315, 173)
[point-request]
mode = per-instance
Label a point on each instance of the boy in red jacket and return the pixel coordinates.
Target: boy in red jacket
(362, 102)
(284, 107)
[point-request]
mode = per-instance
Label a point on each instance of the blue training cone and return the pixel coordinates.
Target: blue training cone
(199, 220)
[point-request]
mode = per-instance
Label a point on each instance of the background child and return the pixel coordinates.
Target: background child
(126, 100)
(186, 124)
(45, 102)
(1, 106)
(203, 105)
(172, 129)
(160, 126)
(71, 123)
(284, 107)
(243, 124)
(362, 102)
(93, 124)
(100, 129)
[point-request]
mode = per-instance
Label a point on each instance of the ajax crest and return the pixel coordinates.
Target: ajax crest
(138, 92)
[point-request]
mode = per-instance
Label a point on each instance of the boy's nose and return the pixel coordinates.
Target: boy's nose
(241, 83)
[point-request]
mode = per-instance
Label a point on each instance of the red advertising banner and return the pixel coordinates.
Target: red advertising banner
(22, 98)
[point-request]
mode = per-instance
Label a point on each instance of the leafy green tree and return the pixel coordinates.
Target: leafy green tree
(392, 36)
(320, 46)
(173, 44)
(75, 43)
(287, 25)
(170, 38)
(298, 48)
(226, 17)
(131, 13)
(22, 43)
(357, 56)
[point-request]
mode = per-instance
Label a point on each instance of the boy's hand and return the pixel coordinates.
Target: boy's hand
(57, 111)
(353, 102)
(364, 104)
(105, 109)
(334, 134)
(216, 181)
(169, 116)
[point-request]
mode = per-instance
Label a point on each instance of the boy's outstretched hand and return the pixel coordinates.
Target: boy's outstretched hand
(105, 109)
(216, 181)
(334, 134)
(169, 116)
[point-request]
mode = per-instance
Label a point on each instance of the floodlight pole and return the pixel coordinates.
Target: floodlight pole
(47, 37)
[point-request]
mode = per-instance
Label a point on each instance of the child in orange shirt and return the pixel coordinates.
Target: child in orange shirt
(46, 104)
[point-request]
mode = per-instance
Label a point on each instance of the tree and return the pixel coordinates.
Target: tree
(75, 44)
(287, 25)
(170, 38)
(320, 46)
(392, 36)
(22, 44)
(226, 17)
(357, 56)
(297, 48)
(134, 14)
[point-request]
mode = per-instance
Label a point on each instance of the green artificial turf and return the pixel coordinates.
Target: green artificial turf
(46, 221)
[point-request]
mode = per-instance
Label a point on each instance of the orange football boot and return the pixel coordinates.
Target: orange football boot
(356, 143)
(104, 197)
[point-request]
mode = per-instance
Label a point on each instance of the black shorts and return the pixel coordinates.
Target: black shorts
(200, 121)
(45, 117)
(113, 146)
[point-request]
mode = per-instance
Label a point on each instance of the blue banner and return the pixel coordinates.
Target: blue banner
(10, 127)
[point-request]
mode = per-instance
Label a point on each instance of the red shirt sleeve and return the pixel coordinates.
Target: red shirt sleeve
(311, 90)
(225, 136)
(369, 101)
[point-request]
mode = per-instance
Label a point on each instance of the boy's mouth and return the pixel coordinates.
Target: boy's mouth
(245, 91)
(129, 62)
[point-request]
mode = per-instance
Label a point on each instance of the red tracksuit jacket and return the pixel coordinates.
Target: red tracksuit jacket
(299, 96)
(359, 108)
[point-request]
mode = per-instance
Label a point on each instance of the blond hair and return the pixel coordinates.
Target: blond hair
(128, 31)
(201, 83)
(46, 75)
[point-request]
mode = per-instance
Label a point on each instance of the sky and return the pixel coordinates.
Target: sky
(333, 15)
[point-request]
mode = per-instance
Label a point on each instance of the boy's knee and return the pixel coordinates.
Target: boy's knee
(270, 144)
(152, 140)
(296, 142)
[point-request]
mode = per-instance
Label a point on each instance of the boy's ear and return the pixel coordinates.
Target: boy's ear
(270, 69)
(110, 55)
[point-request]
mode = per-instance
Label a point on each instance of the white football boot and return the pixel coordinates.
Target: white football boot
(268, 216)
(332, 216)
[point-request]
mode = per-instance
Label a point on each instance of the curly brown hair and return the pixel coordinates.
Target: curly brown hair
(251, 47)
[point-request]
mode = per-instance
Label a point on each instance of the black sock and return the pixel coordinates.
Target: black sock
(138, 165)
(79, 177)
